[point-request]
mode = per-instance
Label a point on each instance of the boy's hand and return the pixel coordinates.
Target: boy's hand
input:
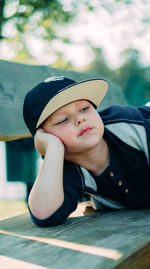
(43, 141)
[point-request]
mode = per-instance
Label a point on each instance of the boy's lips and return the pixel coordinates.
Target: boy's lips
(84, 130)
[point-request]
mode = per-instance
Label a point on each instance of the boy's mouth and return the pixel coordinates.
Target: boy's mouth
(84, 131)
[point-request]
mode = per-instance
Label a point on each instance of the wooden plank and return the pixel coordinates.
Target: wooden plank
(99, 240)
(17, 79)
(14, 136)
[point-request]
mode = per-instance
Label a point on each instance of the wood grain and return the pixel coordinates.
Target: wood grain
(106, 240)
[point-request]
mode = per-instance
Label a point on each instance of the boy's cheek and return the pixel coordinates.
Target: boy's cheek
(64, 141)
(62, 137)
(67, 141)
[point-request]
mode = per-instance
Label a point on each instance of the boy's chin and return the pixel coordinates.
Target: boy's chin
(83, 149)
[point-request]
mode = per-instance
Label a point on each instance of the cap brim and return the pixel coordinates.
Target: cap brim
(93, 90)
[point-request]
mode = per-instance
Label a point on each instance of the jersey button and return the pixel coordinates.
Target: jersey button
(126, 190)
(111, 174)
(120, 182)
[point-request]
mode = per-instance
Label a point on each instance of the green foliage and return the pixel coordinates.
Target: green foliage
(131, 76)
(99, 64)
(38, 16)
(42, 19)
(61, 64)
(133, 80)
(2, 4)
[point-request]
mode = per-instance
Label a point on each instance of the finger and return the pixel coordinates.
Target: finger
(40, 130)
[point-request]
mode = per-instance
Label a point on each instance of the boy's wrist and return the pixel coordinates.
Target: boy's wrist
(55, 146)
(47, 142)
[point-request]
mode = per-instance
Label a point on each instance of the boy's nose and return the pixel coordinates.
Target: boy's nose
(79, 120)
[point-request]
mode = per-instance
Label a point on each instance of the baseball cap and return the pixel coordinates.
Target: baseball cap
(55, 92)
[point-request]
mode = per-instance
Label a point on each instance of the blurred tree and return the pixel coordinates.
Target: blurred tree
(24, 19)
(2, 4)
(132, 78)
(99, 64)
(61, 63)
(38, 16)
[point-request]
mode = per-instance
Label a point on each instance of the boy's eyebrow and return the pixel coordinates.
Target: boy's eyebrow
(56, 118)
(58, 114)
(63, 109)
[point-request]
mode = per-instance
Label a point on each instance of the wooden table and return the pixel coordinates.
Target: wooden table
(100, 240)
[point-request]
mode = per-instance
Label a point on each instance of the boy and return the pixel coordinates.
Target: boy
(101, 156)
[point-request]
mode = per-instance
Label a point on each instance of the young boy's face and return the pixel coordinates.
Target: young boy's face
(77, 125)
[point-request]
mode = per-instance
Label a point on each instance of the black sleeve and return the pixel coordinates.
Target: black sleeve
(118, 113)
(72, 183)
(145, 110)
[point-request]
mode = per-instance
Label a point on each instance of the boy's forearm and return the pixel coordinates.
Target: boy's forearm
(47, 194)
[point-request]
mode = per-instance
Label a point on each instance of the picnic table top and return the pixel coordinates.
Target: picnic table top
(98, 240)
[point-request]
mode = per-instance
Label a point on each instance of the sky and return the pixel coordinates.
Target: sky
(114, 28)
(113, 33)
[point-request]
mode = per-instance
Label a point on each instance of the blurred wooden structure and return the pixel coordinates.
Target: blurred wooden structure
(96, 240)
(17, 79)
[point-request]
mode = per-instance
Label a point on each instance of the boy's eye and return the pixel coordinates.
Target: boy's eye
(62, 121)
(85, 108)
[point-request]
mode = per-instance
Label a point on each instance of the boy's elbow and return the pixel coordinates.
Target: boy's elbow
(47, 222)
(41, 212)
(47, 219)
(44, 208)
